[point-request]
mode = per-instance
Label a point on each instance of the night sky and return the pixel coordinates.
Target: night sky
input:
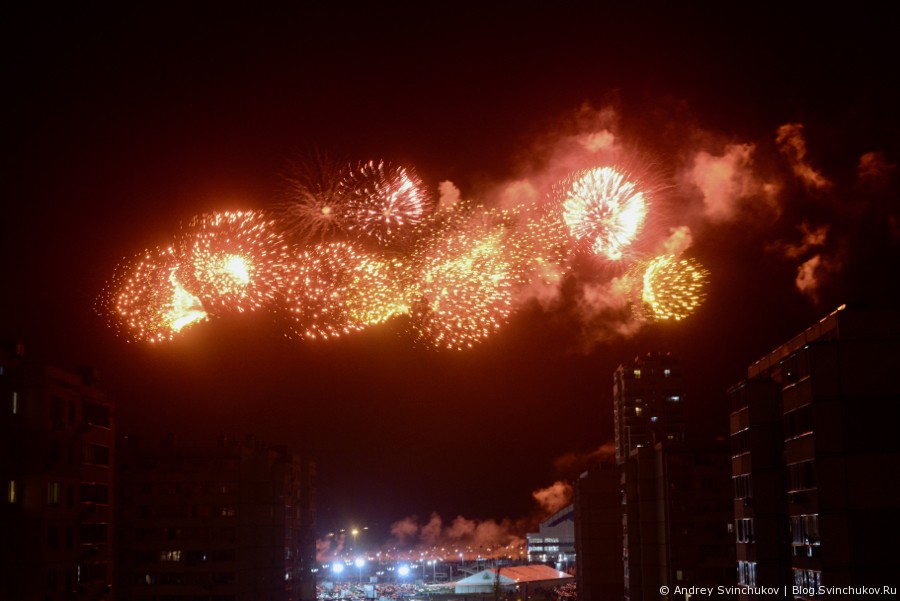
(771, 135)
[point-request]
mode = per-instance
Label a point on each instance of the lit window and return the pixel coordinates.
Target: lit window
(667, 373)
(637, 374)
(637, 410)
(15, 402)
(11, 491)
(53, 493)
(654, 419)
(674, 398)
(170, 555)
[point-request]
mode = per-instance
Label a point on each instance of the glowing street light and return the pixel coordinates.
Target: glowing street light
(403, 570)
(359, 563)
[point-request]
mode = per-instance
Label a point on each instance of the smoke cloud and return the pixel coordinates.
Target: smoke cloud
(488, 538)
(728, 180)
(554, 497)
(792, 145)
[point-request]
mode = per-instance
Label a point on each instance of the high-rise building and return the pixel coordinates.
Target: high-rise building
(226, 521)
(598, 533)
(554, 542)
(815, 454)
(677, 519)
(56, 518)
(647, 403)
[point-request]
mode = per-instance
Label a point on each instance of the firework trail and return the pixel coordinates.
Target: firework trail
(316, 205)
(603, 210)
(148, 302)
(668, 288)
(384, 201)
(234, 261)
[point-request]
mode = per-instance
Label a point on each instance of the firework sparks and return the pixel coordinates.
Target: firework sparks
(233, 260)
(670, 288)
(385, 200)
(149, 303)
(463, 294)
(604, 210)
(336, 289)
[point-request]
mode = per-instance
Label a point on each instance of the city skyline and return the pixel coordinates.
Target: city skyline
(773, 164)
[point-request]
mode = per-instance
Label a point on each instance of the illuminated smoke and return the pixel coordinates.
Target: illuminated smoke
(604, 210)
(728, 181)
(554, 497)
(792, 145)
(484, 538)
(448, 195)
(679, 240)
(874, 170)
(808, 277)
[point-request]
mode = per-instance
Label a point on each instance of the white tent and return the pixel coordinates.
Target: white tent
(538, 574)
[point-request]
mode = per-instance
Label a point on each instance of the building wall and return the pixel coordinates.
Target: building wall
(598, 534)
(56, 516)
(229, 521)
(834, 403)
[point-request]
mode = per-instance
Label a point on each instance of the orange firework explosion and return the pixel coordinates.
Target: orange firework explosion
(603, 210)
(149, 303)
(336, 289)
(385, 201)
(669, 288)
(463, 294)
(232, 260)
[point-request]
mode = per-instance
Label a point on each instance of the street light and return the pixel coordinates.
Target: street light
(359, 563)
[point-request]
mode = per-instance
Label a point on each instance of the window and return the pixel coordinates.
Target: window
(170, 555)
(667, 373)
(637, 374)
(15, 402)
(53, 493)
(96, 454)
(93, 533)
(95, 493)
(747, 573)
(744, 527)
(801, 476)
(809, 582)
(11, 492)
(742, 488)
(96, 414)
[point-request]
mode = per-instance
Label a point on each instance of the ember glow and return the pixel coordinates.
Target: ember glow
(604, 211)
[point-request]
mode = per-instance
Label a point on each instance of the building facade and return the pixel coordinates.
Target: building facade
(225, 521)
(56, 517)
(815, 453)
(554, 542)
(647, 403)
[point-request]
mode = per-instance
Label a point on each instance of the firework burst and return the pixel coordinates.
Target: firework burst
(463, 293)
(668, 288)
(385, 201)
(335, 289)
(316, 204)
(148, 302)
(603, 211)
(234, 261)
